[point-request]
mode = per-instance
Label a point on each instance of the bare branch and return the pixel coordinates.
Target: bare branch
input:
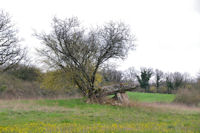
(10, 52)
(71, 47)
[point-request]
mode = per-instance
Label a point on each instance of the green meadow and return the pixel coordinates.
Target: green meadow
(151, 97)
(74, 115)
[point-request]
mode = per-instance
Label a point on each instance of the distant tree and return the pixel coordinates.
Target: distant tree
(198, 77)
(130, 75)
(144, 77)
(178, 80)
(10, 52)
(169, 82)
(73, 49)
(110, 74)
(174, 81)
(158, 77)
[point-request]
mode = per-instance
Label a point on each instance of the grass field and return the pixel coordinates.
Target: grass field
(74, 115)
(151, 97)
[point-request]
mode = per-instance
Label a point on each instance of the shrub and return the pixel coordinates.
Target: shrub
(2, 88)
(189, 95)
(23, 72)
(13, 87)
(153, 89)
(162, 89)
(56, 80)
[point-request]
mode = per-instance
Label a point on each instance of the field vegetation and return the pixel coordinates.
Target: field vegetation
(74, 115)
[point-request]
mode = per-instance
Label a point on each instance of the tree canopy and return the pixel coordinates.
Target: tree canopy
(10, 51)
(72, 48)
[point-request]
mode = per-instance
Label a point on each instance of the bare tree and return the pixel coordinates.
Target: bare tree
(175, 80)
(82, 52)
(158, 77)
(130, 75)
(110, 74)
(169, 82)
(178, 80)
(10, 51)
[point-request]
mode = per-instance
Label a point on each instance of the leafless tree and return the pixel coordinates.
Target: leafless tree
(110, 74)
(159, 75)
(175, 80)
(169, 82)
(10, 51)
(130, 75)
(178, 79)
(82, 52)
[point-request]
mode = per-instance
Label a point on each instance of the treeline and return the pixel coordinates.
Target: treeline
(147, 79)
(186, 88)
(157, 81)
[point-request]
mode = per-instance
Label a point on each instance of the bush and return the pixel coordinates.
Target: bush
(28, 73)
(56, 80)
(189, 95)
(2, 88)
(12, 87)
(153, 89)
(162, 89)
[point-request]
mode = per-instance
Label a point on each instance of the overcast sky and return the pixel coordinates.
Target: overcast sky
(167, 31)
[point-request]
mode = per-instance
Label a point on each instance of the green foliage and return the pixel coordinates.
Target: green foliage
(59, 80)
(144, 78)
(98, 80)
(56, 80)
(2, 88)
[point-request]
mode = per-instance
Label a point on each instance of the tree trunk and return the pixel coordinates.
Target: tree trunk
(93, 97)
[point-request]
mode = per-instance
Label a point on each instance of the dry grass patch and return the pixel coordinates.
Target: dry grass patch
(174, 107)
(29, 105)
